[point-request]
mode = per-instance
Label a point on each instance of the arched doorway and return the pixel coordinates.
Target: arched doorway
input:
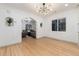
(28, 27)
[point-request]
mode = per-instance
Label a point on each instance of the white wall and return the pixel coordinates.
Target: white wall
(71, 34)
(12, 35)
(33, 23)
(29, 21)
(9, 35)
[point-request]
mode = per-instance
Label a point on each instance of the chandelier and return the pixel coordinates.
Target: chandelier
(44, 9)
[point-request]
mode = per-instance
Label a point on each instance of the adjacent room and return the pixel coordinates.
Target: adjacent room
(39, 29)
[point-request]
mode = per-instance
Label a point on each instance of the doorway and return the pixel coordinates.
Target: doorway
(28, 28)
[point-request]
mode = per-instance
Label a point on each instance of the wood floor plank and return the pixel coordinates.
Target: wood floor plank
(40, 47)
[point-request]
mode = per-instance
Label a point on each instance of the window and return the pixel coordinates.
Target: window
(59, 25)
(54, 25)
(62, 24)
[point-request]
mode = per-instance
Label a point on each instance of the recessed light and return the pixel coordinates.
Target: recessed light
(66, 5)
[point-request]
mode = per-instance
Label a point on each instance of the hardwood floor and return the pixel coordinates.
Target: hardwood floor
(40, 47)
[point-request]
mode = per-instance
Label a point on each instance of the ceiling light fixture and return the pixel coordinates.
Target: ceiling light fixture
(66, 5)
(44, 8)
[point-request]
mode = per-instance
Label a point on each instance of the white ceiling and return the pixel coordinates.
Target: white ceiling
(57, 7)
